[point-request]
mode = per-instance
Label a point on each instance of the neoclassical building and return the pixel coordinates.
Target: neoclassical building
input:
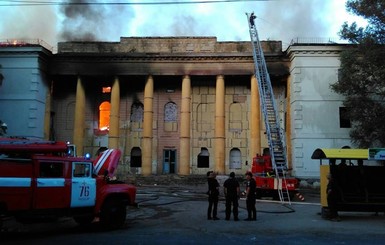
(173, 105)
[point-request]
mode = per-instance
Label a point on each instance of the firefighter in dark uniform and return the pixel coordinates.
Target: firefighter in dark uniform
(3, 128)
(332, 197)
(250, 197)
(252, 18)
(213, 193)
(231, 190)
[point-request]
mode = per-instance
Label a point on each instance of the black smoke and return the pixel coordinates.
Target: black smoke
(94, 21)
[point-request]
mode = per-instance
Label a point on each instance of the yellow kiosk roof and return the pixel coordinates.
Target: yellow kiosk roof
(340, 154)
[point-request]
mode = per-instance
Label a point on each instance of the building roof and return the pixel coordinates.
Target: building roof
(340, 154)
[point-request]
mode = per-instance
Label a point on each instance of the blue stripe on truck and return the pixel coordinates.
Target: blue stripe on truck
(15, 182)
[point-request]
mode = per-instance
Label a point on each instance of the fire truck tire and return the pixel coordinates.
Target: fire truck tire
(113, 213)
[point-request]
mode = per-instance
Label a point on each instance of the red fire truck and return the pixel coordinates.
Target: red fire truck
(40, 181)
(267, 181)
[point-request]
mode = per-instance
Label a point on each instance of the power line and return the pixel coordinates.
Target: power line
(9, 3)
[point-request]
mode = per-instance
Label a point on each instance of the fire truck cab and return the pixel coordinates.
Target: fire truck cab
(40, 182)
(266, 181)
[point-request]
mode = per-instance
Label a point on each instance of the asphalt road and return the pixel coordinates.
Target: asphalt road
(177, 215)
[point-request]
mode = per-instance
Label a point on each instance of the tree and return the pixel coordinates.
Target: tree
(362, 74)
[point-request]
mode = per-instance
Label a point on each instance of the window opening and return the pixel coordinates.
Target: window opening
(235, 159)
(137, 112)
(51, 170)
(170, 117)
(104, 115)
(170, 112)
(344, 118)
(136, 157)
(204, 158)
(106, 90)
(82, 169)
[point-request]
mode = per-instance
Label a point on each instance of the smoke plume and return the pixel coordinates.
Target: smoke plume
(93, 22)
(79, 20)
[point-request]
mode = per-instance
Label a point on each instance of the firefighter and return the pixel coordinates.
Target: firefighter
(252, 18)
(3, 128)
(213, 193)
(232, 192)
(250, 197)
(332, 197)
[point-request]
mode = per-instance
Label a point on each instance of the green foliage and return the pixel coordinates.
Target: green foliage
(362, 73)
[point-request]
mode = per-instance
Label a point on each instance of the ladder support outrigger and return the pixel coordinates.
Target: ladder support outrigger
(274, 131)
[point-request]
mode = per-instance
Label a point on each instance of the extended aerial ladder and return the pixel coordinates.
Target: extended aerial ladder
(270, 113)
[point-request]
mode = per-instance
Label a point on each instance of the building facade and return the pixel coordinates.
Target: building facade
(317, 114)
(182, 105)
(24, 87)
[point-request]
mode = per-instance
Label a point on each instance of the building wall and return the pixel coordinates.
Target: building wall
(166, 135)
(203, 121)
(237, 128)
(24, 89)
(314, 107)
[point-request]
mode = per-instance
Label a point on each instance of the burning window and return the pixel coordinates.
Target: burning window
(104, 116)
(106, 90)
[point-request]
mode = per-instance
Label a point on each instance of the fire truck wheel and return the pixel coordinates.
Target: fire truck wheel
(113, 213)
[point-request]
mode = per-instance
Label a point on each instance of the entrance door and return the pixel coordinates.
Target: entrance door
(169, 161)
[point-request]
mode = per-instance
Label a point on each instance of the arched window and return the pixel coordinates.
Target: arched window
(104, 115)
(235, 159)
(136, 118)
(137, 112)
(170, 112)
(170, 117)
(204, 158)
(136, 157)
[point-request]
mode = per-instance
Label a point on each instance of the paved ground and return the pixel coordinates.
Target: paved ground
(177, 215)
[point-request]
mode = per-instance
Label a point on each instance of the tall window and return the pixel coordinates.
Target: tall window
(137, 112)
(344, 118)
(104, 115)
(235, 159)
(170, 117)
(136, 157)
(204, 158)
(136, 117)
(170, 112)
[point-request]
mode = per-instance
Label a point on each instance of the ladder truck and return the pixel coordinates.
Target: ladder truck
(269, 169)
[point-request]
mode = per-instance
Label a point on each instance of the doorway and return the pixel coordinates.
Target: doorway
(169, 161)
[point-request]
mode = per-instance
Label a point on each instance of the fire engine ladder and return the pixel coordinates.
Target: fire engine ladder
(269, 109)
